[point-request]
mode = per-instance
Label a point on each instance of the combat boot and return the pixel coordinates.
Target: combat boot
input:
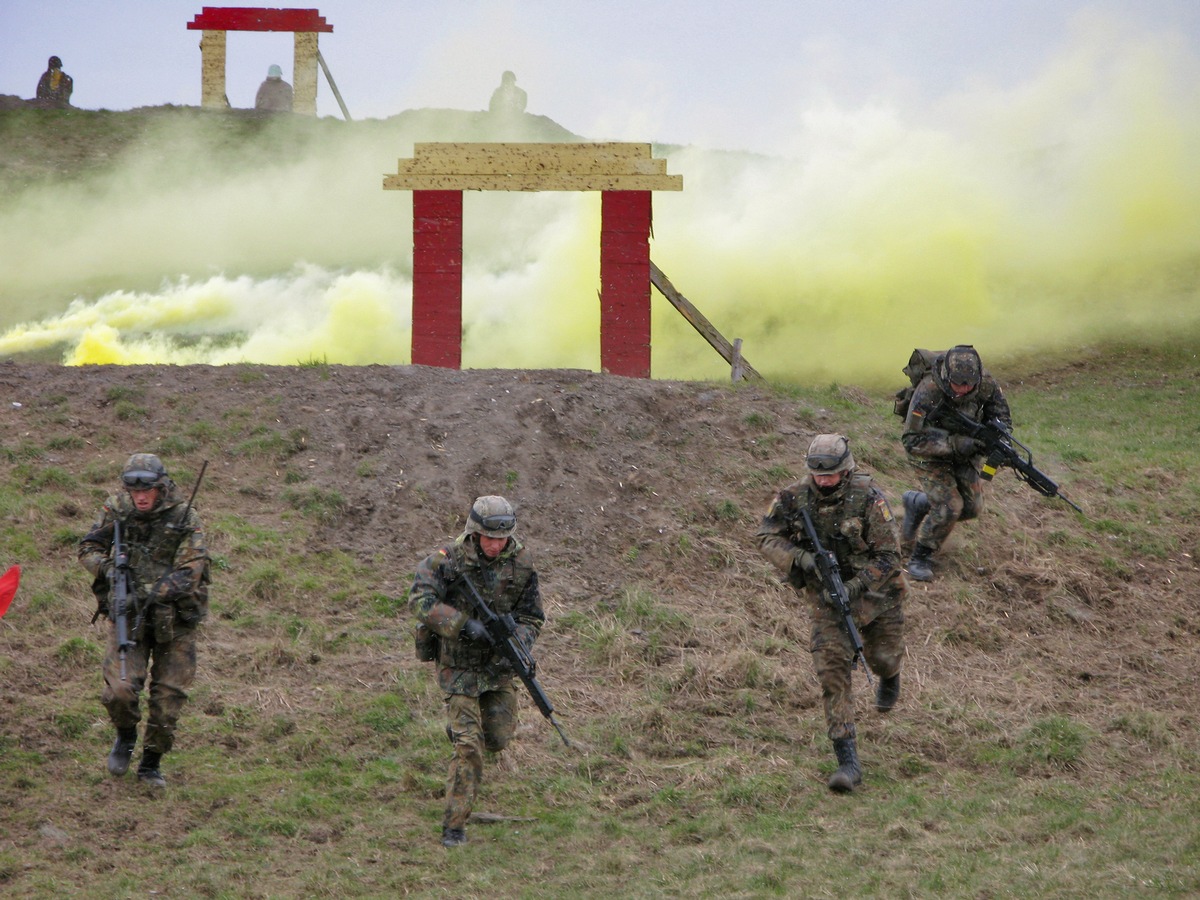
(849, 772)
(122, 751)
(453, 837)
(916, 505)
(920, 567)
(148, 770)
(887, 693)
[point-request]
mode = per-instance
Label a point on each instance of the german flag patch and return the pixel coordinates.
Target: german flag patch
(884, 509)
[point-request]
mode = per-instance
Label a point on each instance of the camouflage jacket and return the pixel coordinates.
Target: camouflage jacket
(926, 436)
(440, 600)
(856, 524)
(168, 559)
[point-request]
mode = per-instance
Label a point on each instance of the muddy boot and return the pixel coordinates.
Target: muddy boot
(849, 772)
(887, 693)
(148, 769)
(122, 751)
(916, 505)
(453, 837)
(920, 567)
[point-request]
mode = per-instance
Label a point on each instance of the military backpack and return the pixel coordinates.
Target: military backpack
(920, 364)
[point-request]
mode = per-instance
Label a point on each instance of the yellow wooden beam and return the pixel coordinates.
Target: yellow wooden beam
(549, 182)
(608, 166)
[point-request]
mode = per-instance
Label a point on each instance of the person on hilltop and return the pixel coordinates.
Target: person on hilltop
(55, 86)
(477, 680)
(947, 461)
(508, 99)
(852, 520)
(163, 556)
(274, 94)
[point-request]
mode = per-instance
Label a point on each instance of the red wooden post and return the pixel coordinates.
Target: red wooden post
(437, 279)
(625, 283)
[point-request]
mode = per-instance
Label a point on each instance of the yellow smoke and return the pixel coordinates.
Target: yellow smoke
(1062, 211)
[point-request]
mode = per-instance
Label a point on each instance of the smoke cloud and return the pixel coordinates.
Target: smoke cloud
(1061, 212)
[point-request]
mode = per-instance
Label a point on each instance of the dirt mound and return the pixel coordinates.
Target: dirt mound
(622, 485)
(674, 657)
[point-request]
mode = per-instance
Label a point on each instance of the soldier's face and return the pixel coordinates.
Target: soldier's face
(961, 390)
(491, 547)
(830, 480)
(143, 498)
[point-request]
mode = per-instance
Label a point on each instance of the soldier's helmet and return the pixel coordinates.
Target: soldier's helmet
(143, 471)
(274, 71)
(963, 366)
(829, 454)
(492, 516)
(54, 63)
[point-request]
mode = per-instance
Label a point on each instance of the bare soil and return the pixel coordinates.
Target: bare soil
(621, 484)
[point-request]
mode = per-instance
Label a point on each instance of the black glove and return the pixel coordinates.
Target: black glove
(965, 446)
(172, 586)
(475, 632)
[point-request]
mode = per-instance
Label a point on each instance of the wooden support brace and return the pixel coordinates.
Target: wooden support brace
(700, 322)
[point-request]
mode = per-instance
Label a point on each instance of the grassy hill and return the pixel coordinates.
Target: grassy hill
(1045, 744)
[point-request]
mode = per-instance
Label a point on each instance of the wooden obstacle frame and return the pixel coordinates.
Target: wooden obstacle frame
(215, 21)
(624, 173)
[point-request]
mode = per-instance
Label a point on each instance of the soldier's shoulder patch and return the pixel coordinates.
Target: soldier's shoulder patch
(884, 509)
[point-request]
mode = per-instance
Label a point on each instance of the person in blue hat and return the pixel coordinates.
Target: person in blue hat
(274, 94)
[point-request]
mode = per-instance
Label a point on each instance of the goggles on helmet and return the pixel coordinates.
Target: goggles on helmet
(141, 480)
(495, 522)
(828, 462)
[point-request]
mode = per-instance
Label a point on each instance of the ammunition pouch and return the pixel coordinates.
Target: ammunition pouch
(426, 643)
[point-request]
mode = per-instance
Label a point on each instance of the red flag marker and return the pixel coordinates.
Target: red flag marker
(8, 587)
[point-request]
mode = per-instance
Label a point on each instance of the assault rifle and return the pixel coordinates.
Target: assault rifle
(502, 631)
(835, 590)
(1003, 449)
(120, 594)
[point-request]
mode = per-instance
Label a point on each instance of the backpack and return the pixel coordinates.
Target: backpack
(919, 365)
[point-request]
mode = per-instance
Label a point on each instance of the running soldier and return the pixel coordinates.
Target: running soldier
(481, 702)
(947, 463)
(852, 519)
(168, 569)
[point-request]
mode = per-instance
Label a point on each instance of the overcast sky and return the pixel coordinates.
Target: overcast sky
(713, 74)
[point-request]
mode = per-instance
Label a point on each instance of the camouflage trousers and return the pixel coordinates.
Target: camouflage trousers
(475, 724)
(883, 645)
(955, 495)
(171, 674)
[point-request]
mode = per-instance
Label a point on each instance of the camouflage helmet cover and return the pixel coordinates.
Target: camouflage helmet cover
(143, 471)
(492, 516)
(963, 365)
(829, 454)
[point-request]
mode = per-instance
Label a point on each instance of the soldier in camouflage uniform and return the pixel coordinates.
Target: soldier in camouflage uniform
(169, 576)
(481, 702)
(853, 520)
(947, 463)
